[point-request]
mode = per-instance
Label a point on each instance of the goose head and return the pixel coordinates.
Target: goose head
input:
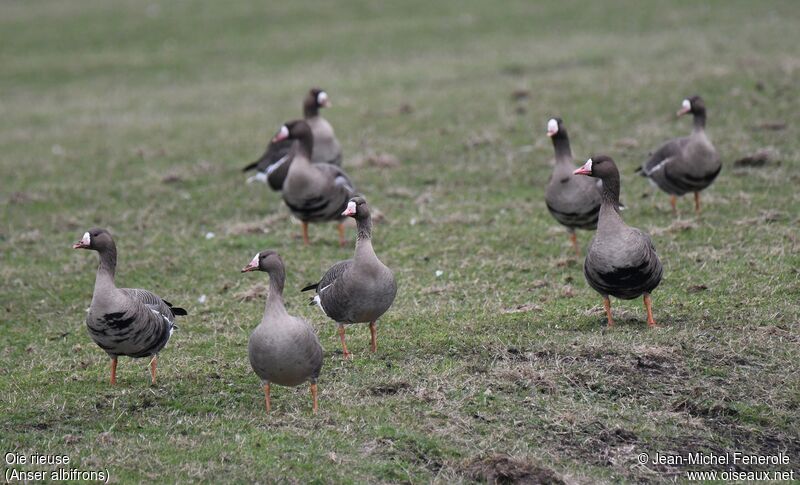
(599, 166)
(357, 208)
(694, 105)
(320, 98)
(555, 126)
(96, 239)
(294, 130)
(264, 261)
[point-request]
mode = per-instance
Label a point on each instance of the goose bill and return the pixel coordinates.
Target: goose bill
(586, 169)
(84, 243)
(282, 134)
(323, 100)
(252, 266)
(351, 209)
(686, 106)
(552, 127)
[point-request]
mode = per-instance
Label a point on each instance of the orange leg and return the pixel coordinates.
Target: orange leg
(113, 371)
(373, 330)
(347, 355)
(607, 305)
(153, 363)
(342, 240)
(314, 396)
(697, 202)
(673, 200)
(574, 238)
(266, 397)
(648, 304)
(305, 233)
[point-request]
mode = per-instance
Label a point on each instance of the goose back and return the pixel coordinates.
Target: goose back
(130, 322)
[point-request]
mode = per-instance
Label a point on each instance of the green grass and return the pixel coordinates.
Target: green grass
(102, 100)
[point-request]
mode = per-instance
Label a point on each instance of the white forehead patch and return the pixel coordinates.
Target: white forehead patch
(86, 239)
(588, 164)
(284, 132)
(255, 259)
(351, 207)
(322, 97)
(686, 104)
(552, 126)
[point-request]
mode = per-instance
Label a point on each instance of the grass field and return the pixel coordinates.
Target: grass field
(137, 117)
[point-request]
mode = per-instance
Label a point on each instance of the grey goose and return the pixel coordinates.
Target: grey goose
(687, 164)
(125, 321)
(283, 348)
(273, 166)
(358, 290)
(621, 260)
(573, 201)
(313, 192)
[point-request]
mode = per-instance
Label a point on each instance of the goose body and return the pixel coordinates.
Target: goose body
(572, 201)
(316, 193)
(283, 349)
(686, 164)
(313, 192)
(125, 321)
(357, 290)
(621, 260)
(273, 166)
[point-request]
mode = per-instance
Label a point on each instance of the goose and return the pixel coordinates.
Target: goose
(621, 260)
(573, 201)
(283, 349)
(125, 321)
(357, 290)
(313, 192)
(687, 164)
(273, 165)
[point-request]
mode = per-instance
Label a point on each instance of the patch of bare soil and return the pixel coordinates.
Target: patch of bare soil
(523, 308)
(255, 227)
(757, 159)
(502, 469)
(21, 197)
(256, 292)
(676, 226)
(376, 159)
(389, 388)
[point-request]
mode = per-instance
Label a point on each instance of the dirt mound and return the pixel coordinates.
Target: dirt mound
(502, 469)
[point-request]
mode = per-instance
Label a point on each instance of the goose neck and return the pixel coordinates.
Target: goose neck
(562, 148)
(364, 238)
(699, 121)
(610, 192)
(104, 280)
(277, 279)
